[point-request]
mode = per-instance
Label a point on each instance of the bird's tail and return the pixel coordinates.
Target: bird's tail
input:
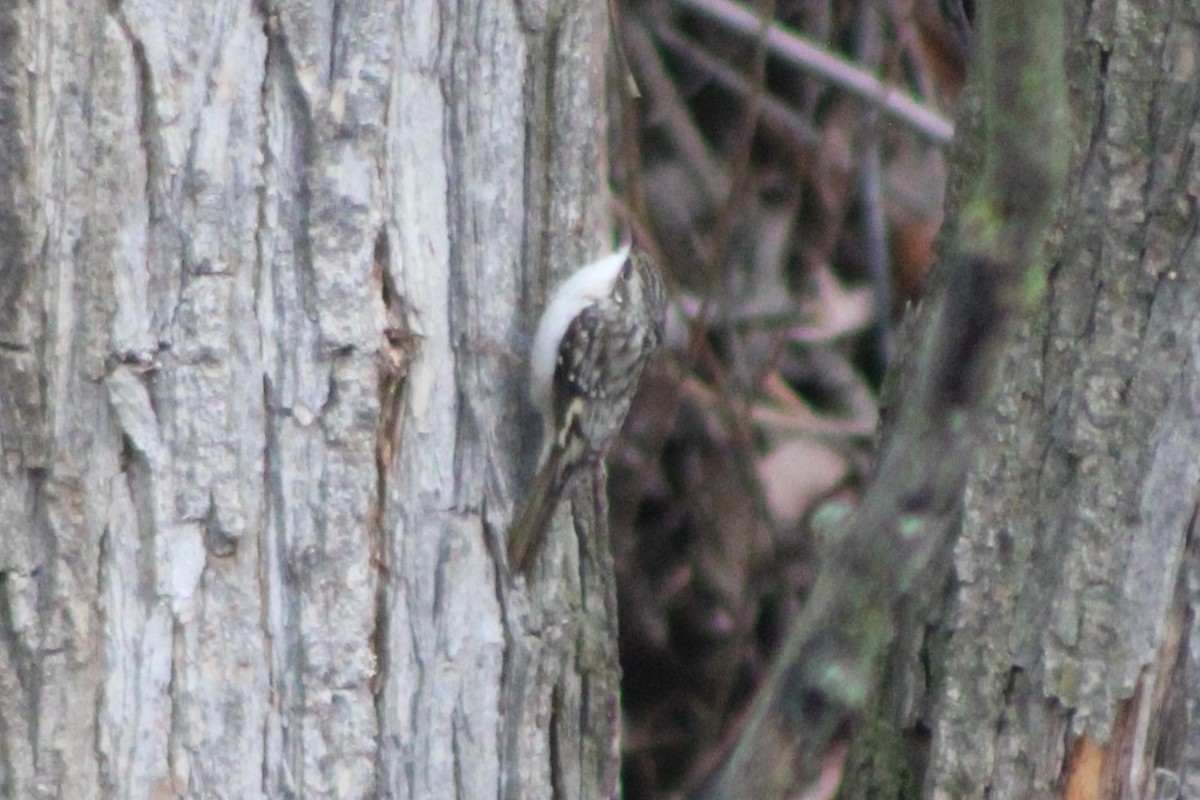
(527, 533)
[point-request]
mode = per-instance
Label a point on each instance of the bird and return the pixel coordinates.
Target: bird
(598, 331)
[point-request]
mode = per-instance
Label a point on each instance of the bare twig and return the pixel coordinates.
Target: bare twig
(796, 50)
(774, 112)
(671, 112)
(870, 188)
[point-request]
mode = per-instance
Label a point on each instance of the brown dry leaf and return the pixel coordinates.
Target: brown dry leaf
(838, 311)
(797, 473)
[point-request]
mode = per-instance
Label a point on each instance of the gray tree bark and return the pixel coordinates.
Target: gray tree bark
(1062, 658)
(267, 276)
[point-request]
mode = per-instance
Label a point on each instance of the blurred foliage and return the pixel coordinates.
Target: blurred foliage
(795, 220)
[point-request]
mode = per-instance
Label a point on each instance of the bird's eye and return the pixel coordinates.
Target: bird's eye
(627, 271)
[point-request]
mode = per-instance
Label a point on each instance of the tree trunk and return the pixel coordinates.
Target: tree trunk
(1062, 659)
(268, 273)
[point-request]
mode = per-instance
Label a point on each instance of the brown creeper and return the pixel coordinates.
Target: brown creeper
(595, 337)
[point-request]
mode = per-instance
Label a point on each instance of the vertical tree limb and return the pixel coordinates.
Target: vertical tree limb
(990, 273)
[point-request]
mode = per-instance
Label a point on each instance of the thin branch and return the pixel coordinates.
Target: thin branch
(870, 189)
(670, 111)
(802, 53)
(774, 112)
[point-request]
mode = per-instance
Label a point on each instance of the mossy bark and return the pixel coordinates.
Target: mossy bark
(988, 278)
(1054, 653)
